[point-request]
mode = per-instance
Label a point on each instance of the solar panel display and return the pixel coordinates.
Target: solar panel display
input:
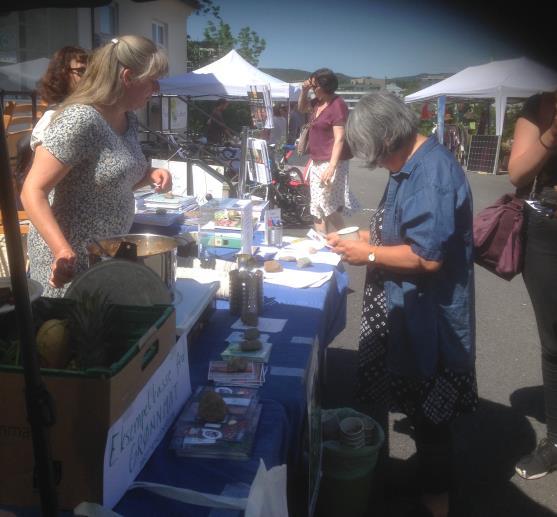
(483, 153)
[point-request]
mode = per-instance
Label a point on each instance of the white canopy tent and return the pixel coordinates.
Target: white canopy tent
(229, 76)
(500, 80)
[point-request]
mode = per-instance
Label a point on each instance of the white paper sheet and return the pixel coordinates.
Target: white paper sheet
(297, 278)
(263, 324)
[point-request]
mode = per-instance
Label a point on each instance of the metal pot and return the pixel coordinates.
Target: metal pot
(157, 252)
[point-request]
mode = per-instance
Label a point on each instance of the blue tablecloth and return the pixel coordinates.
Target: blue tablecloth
(315, 312)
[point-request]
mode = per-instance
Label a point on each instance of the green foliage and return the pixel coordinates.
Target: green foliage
(208, 7)
(250, 45)
(219, 37)
(219, 40)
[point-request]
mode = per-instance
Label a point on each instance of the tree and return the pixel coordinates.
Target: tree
(250, 45)
(219, 37)
(219, 40)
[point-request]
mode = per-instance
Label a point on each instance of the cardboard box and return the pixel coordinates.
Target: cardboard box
(87, 403)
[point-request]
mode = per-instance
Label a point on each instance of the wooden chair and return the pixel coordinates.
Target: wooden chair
(19, 122)
(23, 230)
(7, 119)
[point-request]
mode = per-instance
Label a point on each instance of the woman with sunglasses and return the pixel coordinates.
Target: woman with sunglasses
(90, 156)
(330, 196)
(64, 71)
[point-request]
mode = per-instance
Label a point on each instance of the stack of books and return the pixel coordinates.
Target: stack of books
(232, 438)
(253, 375)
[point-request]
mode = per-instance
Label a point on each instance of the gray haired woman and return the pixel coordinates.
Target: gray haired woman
(417, 340)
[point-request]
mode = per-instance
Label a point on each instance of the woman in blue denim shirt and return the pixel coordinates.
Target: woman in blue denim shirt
(417, 340)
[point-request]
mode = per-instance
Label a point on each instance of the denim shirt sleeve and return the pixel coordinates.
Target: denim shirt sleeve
(427, 221)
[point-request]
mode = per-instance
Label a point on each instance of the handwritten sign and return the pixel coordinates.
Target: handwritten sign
(135, 435)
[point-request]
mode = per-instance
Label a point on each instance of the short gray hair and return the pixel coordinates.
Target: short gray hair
(379, 125)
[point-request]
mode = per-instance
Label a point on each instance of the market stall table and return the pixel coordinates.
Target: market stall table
(314, 316)
(310, 313)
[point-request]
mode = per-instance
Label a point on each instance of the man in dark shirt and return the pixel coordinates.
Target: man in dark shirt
(216, 129)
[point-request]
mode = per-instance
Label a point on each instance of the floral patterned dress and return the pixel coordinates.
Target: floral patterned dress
(439, 399)
(95, 199)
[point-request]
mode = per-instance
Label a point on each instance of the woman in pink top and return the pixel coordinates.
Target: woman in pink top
(330, 195)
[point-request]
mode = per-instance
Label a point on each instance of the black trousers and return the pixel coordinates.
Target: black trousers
(434, 453)
(540, 277)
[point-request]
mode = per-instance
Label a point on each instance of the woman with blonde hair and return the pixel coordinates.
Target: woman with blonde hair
(91, 157)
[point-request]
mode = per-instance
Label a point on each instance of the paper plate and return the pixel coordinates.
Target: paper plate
(124, 282)
(35, 290)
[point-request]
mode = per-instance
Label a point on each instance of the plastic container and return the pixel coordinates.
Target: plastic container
(347, 471)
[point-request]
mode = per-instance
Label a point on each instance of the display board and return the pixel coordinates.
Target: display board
(483, 153)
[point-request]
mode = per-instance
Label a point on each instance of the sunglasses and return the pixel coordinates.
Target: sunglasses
(78, 71)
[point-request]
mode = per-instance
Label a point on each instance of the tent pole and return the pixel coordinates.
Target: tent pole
(40, 406)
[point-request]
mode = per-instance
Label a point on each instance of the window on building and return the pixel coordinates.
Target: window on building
(160, 33)
(106, 23)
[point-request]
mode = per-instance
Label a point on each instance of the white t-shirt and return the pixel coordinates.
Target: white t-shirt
(37, 135)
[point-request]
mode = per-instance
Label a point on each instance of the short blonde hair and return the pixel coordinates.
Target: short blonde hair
(102, 82)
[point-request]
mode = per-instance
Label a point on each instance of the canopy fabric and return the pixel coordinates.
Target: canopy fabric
(229, 76)
(22, 76)
(500, 80)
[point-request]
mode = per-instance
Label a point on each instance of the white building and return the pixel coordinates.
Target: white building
(38, 33)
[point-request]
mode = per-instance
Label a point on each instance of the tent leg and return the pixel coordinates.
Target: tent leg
(40, 409)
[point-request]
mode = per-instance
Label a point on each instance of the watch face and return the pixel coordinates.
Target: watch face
(371, 257)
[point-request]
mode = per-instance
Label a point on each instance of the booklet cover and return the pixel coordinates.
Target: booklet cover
(261, 355)
(230, 438)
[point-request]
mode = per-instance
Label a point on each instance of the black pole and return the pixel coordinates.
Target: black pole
(40, 412)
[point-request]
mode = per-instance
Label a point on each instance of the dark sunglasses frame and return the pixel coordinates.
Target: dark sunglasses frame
(80, 70)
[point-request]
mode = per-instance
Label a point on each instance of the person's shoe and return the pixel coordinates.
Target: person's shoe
(542, 461)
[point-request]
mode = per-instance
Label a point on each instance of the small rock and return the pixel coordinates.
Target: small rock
(251, 333)
(212, 407)
(272, 266)
(237, 364)
(304, 262)
(250, 345)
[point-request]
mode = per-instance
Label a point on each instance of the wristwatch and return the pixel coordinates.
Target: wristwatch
(371, 258)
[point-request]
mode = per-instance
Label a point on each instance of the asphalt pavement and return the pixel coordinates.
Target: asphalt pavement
(510, 417)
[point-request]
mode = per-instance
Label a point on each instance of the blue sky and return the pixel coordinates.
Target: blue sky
(378, 38)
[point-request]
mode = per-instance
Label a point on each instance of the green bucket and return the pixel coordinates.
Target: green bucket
(347, 472)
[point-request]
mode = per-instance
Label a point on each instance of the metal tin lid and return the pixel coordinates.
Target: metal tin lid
(124, 282)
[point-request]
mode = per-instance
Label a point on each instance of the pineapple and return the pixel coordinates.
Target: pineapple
(90, 320)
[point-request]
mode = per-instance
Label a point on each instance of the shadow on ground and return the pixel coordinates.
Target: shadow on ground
(487, 446)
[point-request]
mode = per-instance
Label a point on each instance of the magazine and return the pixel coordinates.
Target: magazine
(259, 98)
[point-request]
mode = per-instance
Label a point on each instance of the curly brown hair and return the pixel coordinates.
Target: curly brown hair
(54, 86)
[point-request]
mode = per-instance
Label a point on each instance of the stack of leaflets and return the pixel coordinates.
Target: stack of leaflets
(253, 376)
(231, 439)
(234, 348)
(170, 201)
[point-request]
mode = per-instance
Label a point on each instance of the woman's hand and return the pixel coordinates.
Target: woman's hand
(328, 176)
(306, 85)
(353, 252)
(161, 179)
(63, 268)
